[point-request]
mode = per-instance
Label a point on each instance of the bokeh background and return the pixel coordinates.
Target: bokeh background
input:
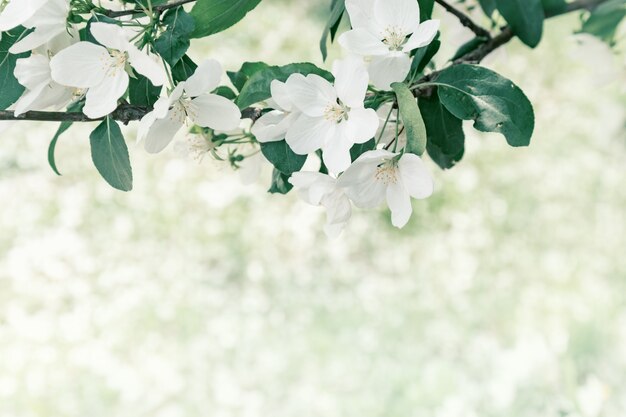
(195, 295)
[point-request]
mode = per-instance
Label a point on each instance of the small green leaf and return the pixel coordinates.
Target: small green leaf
(282, 157)
(423, 56)
(9, 86)
(360, 148)
(471, 92)
(257, 88)
(554, 7)
(248, 69)
(183, 69)
(174, 42)
(525, 18)
(280, 183)
(488, 6)
(446, 141)
(213, 16)
(411, 119)
(337, 10)
(110, 155)
(426, 9)
(468, 47)
(604, 21)
(74, 107)
(141, 92)
(225, 92)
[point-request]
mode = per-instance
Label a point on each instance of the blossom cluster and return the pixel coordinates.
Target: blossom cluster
(91, 63)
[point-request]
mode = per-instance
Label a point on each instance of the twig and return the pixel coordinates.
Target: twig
(465, 20)
(158, 9)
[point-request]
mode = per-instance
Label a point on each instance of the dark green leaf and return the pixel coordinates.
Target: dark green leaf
(74, 107)
(338, 7)
(488, 6)
(11, 90)
(183, 69)
(225, 92)
(471, 92)
(174, 42)
(282, 157)
(423, 56)
(426, 9)
(525, 18)
(411, 119)
(213, 16)
(280, 183)
(110, 155)
(248, 69)
(360, 148)
(446, 141)
(141, 92)
(468, 47)
(257, 88)
(605, 19)
(554, 7)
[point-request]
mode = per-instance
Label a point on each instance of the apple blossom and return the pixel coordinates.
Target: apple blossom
(48, 22)
(191, 101)
(387, 31)
(322, 190)
(381, 175)
(103, 69)
(17, 12)
(333, 117)
(273, 126)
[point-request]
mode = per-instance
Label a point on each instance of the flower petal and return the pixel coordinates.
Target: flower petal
(313, 186)
(280, 94)
(110, 35)
(362, 42)
(361, 13)
(361, 185)
(33, 72)
(273, 126)
(351, 80)
(17, 12)
(386, 70)
(147, 66)
(423, 36)
(402, 15)
(161, 132)
(311, 94)
(415, 176)
(102, 98)
(361, 125)
(336, 152)
(308, 134)
(399, 203)
(35, 39)
(205, 79)
(216, 112)
(81, 65)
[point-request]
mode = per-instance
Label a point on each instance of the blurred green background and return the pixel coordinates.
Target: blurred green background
(195, 295)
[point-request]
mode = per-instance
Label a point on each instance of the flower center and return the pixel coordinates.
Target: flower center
(116, 62)
(183, 109)
(336, 112)
(394, 38)
(387, 172)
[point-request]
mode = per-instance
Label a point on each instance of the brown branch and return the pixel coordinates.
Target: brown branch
(157, 9)
(465, 20)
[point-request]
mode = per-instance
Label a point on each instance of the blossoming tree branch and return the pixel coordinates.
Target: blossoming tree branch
(352, 136)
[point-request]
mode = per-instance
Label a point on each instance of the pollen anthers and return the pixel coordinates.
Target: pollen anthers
(114, 62)
(182, 110)
(336, 112)
(394, 38)
(387, 172)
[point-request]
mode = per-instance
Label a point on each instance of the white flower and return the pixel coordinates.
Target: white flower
(103, 69)
(34, 74)
(49, 21)
(387, 31)
(273, 126)
(191, 100)
(322, 190)
(17, 12)
(333, 118)
(381, 175)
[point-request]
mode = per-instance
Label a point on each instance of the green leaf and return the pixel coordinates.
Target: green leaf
(554, 7)
(337, 10)
(141, 92)
(213, 16)
(110, 155)
(446, 141)
(225, 92)
(426, 9)
(605, 19)
(248, 69)
(525, 18)
(74, 107)
(9, 86)
(85, 33)
(280, 183)
(174, 42)
(183, 69)
(257, 88)
(360, 148)
(423, 56)
(468, 47)
(411, 119)
(488, 6)
(282, 157)
(471, 92)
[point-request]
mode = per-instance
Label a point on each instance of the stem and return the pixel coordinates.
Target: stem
(156, 9)
(465, 20)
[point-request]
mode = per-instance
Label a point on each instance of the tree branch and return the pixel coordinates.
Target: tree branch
(158, 9)
(465, 20)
